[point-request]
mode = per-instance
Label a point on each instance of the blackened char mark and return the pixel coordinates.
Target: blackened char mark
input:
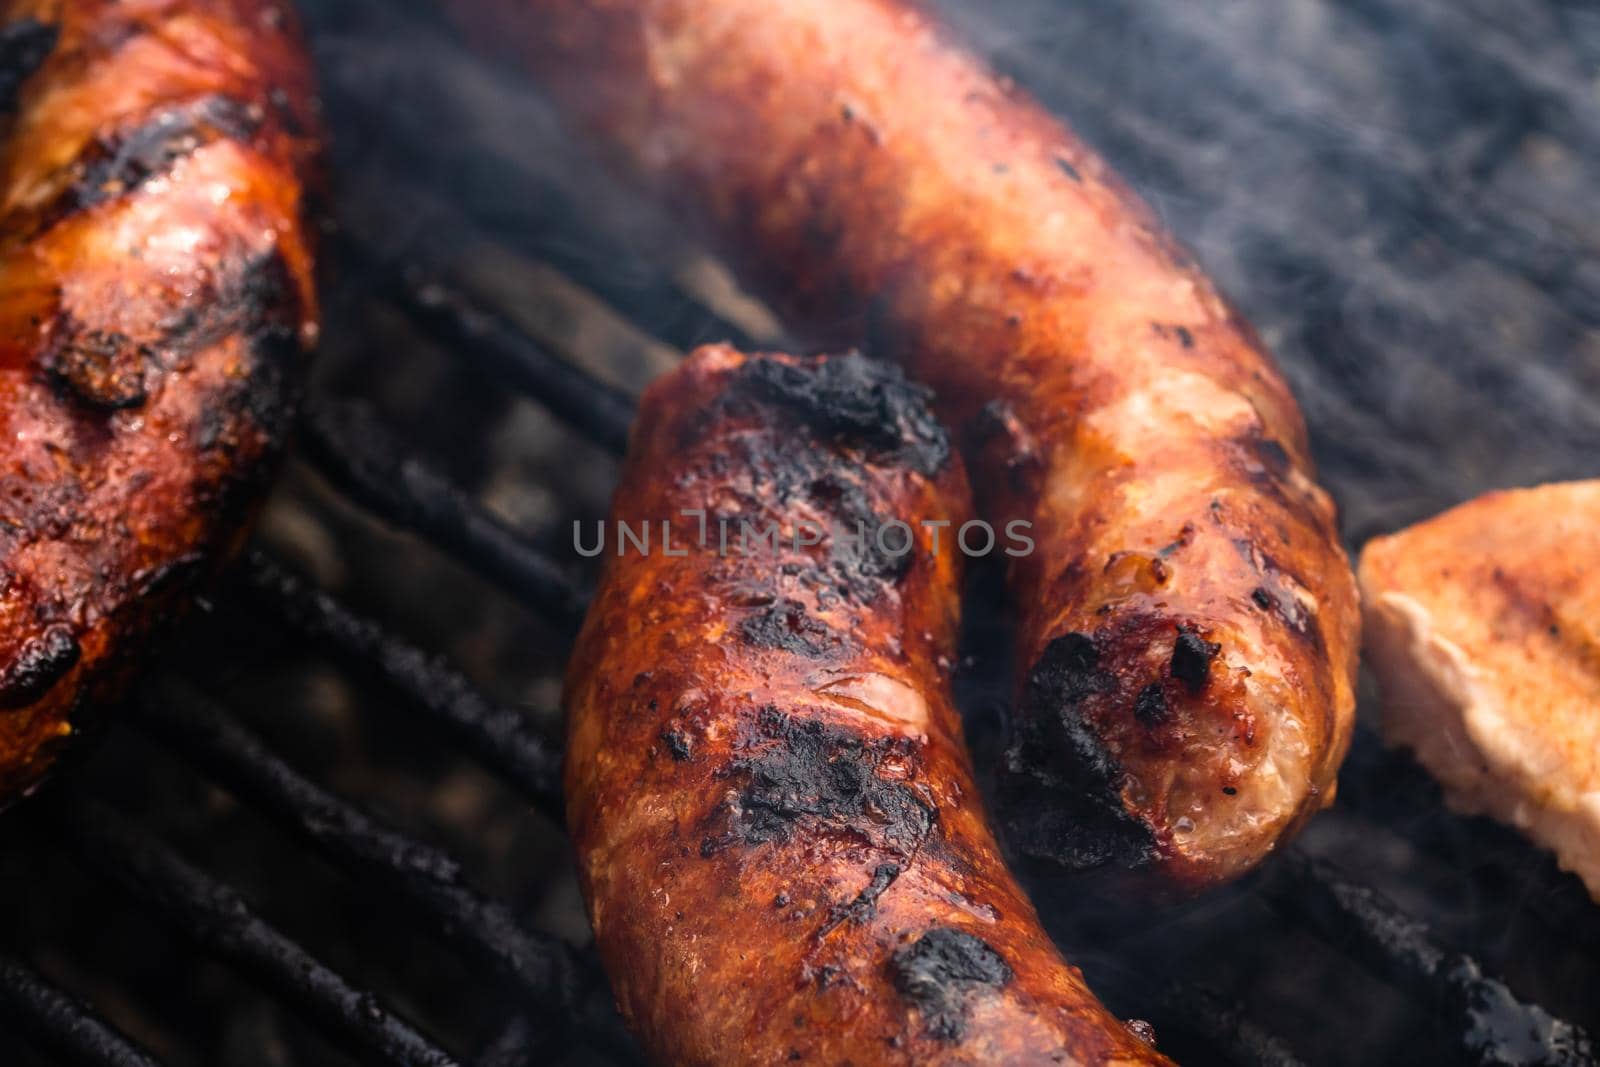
(796, 771)
(854, 400)
(942, 972)
(122, 161)
(1191, 658)
(861, 562)
(787, 626)
(260, 302)
(1061, 788)
(24, 46)
(42, 661)
(103, 369)
(865, 904)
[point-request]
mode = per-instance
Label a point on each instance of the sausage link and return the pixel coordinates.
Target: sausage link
(778, 833)
(1188, 622)
(156, 295)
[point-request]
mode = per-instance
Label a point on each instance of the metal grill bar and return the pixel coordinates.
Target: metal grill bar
(218, 918)
(1375, 782)
(541, 222)
(1222, 1024)
(499, 737)
(61, 1024)
(359, 844)
(352, 448)
(1495, 1027)
(601, 412)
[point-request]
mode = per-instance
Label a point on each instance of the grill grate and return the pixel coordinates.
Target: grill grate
(549, 997)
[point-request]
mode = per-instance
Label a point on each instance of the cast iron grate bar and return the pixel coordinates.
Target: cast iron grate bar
(450, 315)
(217, 918)
(62, 1025)
(497, 736)
(1495, 1027)
(352, 448)
(360, 845)
(540, 222)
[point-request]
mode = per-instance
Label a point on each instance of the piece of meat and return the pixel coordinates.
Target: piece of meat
(1188, 621)
(1483, 627)
(156, 295)
(779, 838)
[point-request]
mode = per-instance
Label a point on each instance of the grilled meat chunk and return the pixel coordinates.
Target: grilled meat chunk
(779, 838)
(155, 297)
(1188, 623)
(1483, 627)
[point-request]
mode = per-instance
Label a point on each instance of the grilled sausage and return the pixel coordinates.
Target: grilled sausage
(155, 295)
(1188, 621)
(779, 838)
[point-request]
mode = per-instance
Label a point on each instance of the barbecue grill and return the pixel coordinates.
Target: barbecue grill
(315, 836)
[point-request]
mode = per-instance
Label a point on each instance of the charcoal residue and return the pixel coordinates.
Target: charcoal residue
(942, 972)
(798, 771)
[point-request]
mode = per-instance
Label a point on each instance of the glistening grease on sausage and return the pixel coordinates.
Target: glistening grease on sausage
(779, 838)
(155, 296)
(1188, 619)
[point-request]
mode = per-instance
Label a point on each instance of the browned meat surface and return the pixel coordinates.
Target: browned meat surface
(1483, 626)
(779, 838)
(155, 296)
(1188, 618)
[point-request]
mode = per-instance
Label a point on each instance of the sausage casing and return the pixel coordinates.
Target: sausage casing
(155, 296)
(1188, 622)
(779, 839)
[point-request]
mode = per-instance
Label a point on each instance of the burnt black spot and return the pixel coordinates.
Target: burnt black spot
(678, 744)
(798, 770)
(865, 904)
(1191, 658)
(855, 400)
(24, 46)
(941, 972)
(1151, 706)
(1061, 787)
(103, 369)
(862, 561)
(786, 625)
(1185, 338)
(40, 663)
(121, 162)
(1068, 169)
(1262, 598)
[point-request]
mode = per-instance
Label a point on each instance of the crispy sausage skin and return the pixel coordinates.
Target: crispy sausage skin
(155, 295)
(1188, 622)
(779, 837)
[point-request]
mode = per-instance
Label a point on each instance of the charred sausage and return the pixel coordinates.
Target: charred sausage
(1188, 621)
(779, 838)
(155, 295)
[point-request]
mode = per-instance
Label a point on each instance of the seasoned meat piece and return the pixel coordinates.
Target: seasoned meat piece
(155, 298)
(1188, 621)
(1483, 626)
(782, 848)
